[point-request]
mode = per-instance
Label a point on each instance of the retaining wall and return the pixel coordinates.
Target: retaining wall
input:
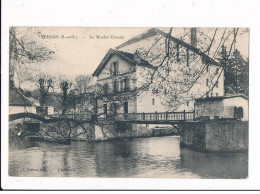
(215, 136)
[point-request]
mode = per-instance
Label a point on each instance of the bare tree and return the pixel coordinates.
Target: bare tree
(83, 83)
(180, 66)
(24, 54)
(65, 86)
(175, 73)
(44, 83)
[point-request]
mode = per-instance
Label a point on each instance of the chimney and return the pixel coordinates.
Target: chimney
(193, 37)
(137, 56)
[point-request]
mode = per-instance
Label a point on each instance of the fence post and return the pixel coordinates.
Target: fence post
(143, 116)
(156, 115)
(166, 115)
(194, 115)
(184, 115)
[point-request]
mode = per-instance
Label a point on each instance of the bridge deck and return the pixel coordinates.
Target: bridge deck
(153, 118)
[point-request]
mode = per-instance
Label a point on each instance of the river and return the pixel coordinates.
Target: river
(140, 157)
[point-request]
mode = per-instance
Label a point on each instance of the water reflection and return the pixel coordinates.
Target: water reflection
(210, 165)
(139, 157)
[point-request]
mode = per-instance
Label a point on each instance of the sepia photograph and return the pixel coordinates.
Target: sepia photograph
(128, 102)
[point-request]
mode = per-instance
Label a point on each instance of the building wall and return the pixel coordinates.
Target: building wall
(209, 109)
(223, 108)
(145, 103)
(21, 109)
(145, 98)
(230, 103)
(131, 106)
(122, 68)
(202, 87)
(104, 77)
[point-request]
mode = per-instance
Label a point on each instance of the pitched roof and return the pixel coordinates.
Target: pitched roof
(148, 33)
(132, 58)
(33, 101)
(16, 98)
(129, 57)
(156, 31)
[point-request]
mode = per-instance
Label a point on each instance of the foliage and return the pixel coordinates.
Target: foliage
(236, 72)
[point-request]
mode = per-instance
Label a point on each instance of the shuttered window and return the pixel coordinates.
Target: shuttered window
(207, 82)
(126, 84)
(106, 88)
(114, 68)
(116, 86)
(105, 108)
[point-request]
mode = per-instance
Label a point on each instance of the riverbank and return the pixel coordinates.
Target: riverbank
(63, 132)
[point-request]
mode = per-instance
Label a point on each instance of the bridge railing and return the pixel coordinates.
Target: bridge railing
(75, 116)
(156, 116)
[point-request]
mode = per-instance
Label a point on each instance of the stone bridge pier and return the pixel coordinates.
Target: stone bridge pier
(215, 136)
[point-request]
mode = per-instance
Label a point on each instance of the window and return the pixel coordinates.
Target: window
(106, 88)
(39, 109)
(204, 61)
(216, 94)
(153, 101)
(114, 68)
(239, 112)
(121, 85)
(178, 53)
(125, 107)
(115, 86)
(187, 56)
(125, 84)
(105, 108)
(217, 84)
(207, 82)
(114, 108)
(217, 70)
(126, 81)
(187, 103)
(155, 91)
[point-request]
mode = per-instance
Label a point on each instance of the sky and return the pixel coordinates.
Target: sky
(80, 52)
(81, 55)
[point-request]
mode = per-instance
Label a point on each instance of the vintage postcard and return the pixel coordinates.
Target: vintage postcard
(128, 102)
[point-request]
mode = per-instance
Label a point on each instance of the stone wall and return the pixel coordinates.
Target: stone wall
(215, 136)
(112, 130)
(193, 135)
(227, 136)
(60, 131)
